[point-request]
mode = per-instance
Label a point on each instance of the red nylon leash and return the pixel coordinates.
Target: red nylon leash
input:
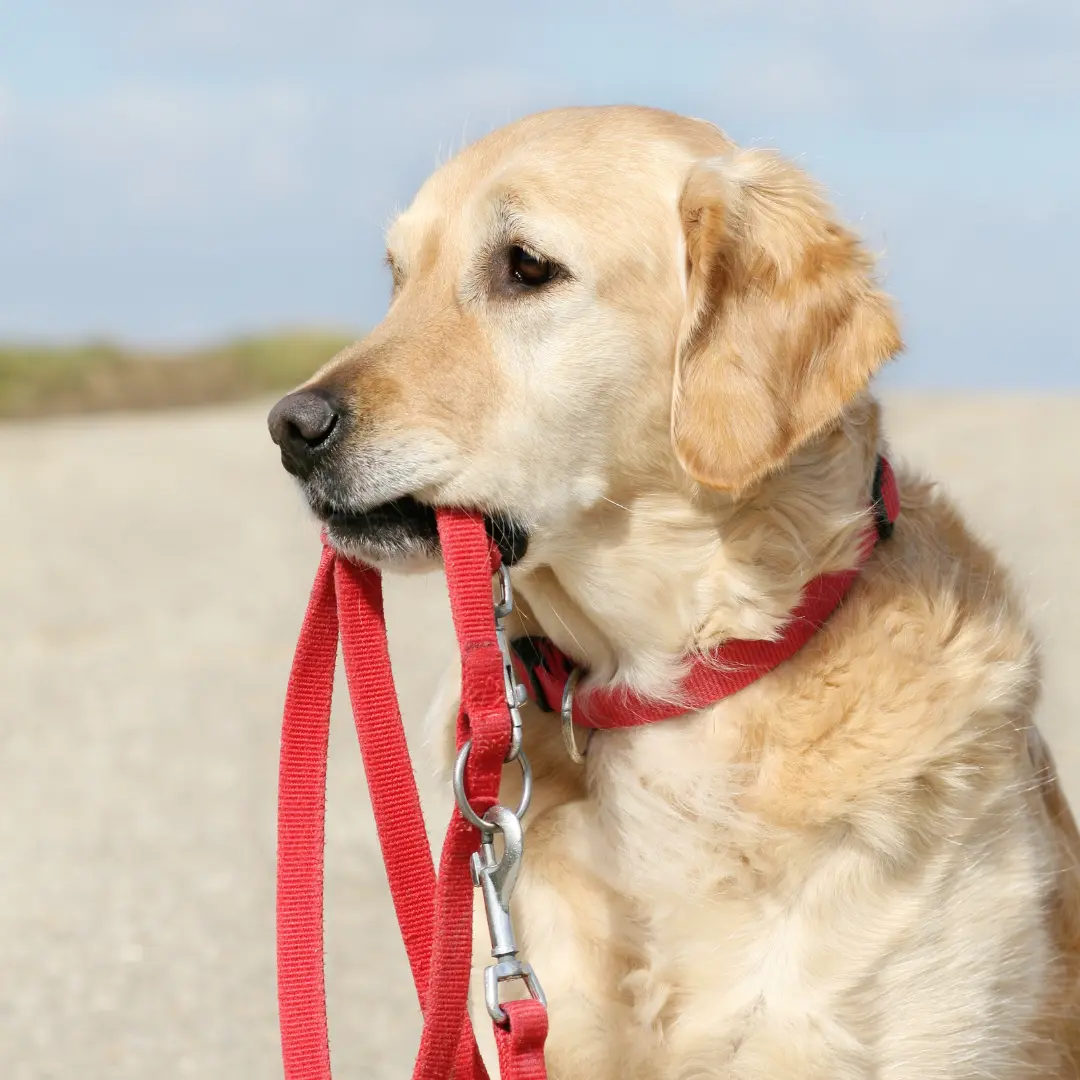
(435, 914)
(484, 719)
(305, 736)
(392, 788)
(521, 1042)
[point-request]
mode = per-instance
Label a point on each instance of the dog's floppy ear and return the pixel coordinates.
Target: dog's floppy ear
(784, 324)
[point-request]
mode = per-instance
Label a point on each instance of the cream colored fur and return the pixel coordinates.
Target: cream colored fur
(858, 867)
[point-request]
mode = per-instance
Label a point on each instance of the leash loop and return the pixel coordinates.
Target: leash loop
(496, 878)
(462, 796)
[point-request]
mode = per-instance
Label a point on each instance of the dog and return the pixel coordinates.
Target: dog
(646, 354)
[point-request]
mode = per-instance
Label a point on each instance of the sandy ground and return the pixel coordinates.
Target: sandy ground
(153, 572)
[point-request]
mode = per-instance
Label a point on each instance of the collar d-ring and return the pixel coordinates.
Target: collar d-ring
(569, 739)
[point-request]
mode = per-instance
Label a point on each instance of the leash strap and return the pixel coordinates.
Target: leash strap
(435, 914)
(521, 1042)
(484, 719)
(399, 820)
(301, 826)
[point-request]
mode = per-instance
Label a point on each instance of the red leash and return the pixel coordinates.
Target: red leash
(435, 914)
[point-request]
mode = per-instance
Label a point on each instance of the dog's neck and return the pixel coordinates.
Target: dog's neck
(652, 578)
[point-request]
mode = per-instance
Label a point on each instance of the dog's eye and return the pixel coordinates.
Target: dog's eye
(530, 270)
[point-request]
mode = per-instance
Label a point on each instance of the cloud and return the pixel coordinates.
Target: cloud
(784, 80)
(189, 168)
(5, 133)
(165, 148)
(917, 57)
(912, 14)
(872, 60)
(272, 32)
(176, 211)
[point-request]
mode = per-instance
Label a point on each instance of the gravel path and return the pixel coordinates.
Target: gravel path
(154, 572)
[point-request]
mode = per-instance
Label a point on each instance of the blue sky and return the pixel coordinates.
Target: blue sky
(175, 172)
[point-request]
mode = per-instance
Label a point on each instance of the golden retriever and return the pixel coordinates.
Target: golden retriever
(644, 353)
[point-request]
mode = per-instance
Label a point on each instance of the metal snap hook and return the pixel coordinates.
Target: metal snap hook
(501, 872)
(496, 878)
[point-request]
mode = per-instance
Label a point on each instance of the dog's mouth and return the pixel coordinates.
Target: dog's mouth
(404, 530)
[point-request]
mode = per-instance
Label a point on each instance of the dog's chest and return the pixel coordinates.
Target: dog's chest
(667, 802)
(749, 940)
(712, 906)
(729, 961)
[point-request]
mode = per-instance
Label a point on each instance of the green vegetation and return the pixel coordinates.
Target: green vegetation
(44, 381)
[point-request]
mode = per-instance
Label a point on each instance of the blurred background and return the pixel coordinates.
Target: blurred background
(192, 201)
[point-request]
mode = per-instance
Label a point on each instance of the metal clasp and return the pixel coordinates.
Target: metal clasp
(496, 878)
(516, 694)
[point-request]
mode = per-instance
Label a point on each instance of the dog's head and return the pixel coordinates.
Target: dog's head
(588, 303)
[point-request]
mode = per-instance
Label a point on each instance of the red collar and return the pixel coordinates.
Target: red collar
(546, 671)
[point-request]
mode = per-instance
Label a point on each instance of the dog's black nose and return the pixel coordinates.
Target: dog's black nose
(304, 425)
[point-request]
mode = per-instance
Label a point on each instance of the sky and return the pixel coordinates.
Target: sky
(173, 173)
